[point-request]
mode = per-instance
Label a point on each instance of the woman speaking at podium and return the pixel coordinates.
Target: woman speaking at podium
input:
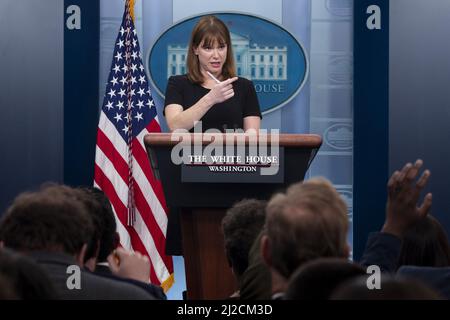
(211, 92)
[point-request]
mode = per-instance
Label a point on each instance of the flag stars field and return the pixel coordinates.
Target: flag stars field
(112, 93)
(114, 81)
(141, 92)
(109, 105)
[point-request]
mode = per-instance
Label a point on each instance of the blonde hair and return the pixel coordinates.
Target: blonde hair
(309, 221)
(209, 29)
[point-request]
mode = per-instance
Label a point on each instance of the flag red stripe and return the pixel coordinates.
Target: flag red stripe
(153, 126)
(121, 211)
(142, 158)
(152, 225)
(113, 155)
(122, 167)
(159, 260)
(139, 247)
(105, 184)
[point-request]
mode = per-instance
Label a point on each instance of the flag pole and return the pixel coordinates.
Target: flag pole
(128, 43)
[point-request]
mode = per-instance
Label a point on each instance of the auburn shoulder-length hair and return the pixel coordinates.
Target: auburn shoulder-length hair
(209, 30)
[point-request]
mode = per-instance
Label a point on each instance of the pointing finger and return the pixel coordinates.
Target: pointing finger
(230, 80)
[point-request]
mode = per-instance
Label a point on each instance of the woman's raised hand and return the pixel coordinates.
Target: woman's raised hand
(222, 91)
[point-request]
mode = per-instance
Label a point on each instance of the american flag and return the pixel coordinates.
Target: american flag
(122, 168)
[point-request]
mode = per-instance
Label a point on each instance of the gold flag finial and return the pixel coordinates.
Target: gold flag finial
(131, 7)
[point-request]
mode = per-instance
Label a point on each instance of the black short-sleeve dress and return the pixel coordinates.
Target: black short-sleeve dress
(229, 114)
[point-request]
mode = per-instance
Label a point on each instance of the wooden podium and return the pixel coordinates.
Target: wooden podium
(204, 196)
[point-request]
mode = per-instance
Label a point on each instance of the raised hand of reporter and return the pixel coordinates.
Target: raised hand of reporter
(402, 207)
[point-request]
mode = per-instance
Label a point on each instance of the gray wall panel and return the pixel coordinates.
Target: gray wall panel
(420, 92)
(31, 94)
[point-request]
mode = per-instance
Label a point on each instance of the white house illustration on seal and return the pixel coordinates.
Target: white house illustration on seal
(252, 61)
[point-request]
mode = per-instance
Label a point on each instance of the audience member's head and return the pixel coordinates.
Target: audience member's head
(307, 222)
(317, 279)
(22, 278)
(425, 244)
(92, 208)
(51, 219)
(241, 226)
(105, 238)
(390, 289)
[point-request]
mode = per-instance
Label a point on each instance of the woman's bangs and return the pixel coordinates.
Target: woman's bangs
(211, 39)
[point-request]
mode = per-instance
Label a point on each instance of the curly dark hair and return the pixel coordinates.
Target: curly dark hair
(241, 225)
(105, 238)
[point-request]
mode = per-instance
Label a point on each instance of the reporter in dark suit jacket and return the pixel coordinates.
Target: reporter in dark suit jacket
(53, 226)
